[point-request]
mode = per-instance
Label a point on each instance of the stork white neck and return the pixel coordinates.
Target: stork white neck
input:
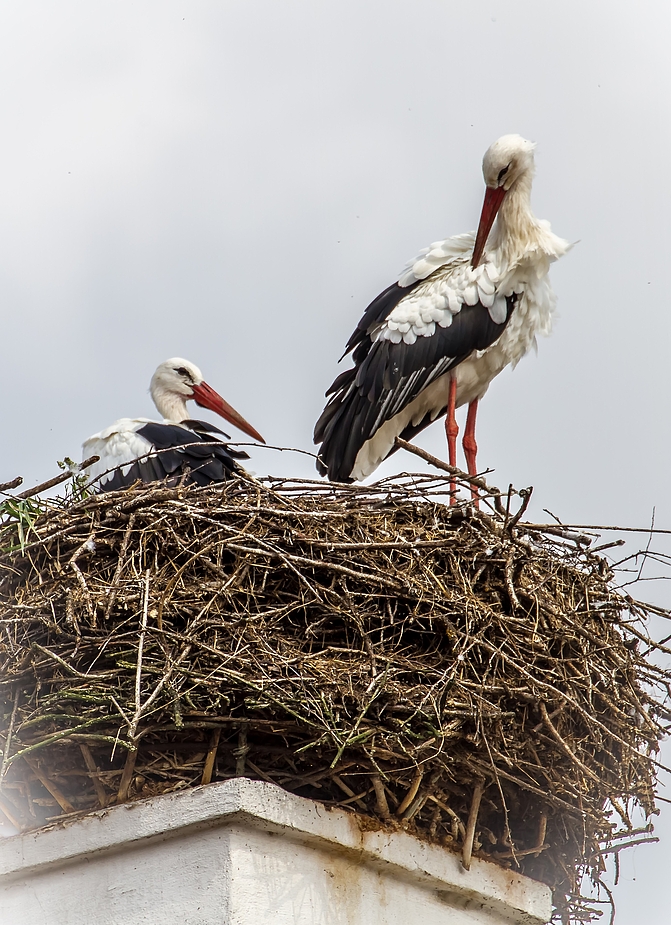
(170, 405)
(516, 231)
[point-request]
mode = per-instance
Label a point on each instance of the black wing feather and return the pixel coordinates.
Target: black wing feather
(387, 377)
(203, 427)
(189, 451)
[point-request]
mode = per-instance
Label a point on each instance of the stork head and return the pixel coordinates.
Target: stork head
(505, 162)
(177, 380)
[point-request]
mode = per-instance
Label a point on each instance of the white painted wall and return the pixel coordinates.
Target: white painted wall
(244, 852)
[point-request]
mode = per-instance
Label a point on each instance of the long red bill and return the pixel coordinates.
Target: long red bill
(206, 397)
(490, 207)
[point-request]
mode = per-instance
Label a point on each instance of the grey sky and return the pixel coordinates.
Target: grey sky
(234, 181)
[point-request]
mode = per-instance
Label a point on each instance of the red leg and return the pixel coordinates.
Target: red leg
(452, 431)
(470, 446)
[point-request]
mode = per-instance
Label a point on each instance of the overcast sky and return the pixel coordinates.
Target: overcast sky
(233, 182)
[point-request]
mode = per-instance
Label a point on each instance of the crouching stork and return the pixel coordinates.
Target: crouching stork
(175, 449)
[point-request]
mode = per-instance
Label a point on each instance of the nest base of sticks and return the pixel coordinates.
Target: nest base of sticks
(452, 671)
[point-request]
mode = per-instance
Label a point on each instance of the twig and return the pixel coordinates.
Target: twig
(10, 733)
(94, 772)
(566, 533)
(615, 849)
(450, 812)
(10, 814)
(114, 587)
(8, 486)
(627, 833)
(564, 747)
(70, 668)
(380, 797)
(259, 771)
(50, 483)
(127, 776)
(240, 753)
(140, 650)
(521, 854)
(476, 480)
(355, 798)
(415, 806)
(49, 785)
(412, 791)
(525, 494)
(208, 767)
(603, 546)
(542, 829)
(86, 546)
(467, 850)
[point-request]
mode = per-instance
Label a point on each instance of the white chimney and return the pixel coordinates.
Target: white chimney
(243, 852)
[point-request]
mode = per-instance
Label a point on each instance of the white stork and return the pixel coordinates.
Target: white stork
(462, 311)
(178, 447)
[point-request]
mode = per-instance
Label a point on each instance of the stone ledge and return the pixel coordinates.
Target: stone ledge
(243, 804)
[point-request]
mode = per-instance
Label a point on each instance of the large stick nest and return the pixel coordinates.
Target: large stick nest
(472, 678)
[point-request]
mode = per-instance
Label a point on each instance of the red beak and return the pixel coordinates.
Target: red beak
(490, 207)
(206, 397)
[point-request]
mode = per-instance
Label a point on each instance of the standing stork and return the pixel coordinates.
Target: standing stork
(139, 449)
(462, 311)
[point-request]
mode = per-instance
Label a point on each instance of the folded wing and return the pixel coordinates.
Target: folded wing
(148, 451)
(408, 337)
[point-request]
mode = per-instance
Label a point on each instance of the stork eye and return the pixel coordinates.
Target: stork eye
(183, 371)
(503, 172)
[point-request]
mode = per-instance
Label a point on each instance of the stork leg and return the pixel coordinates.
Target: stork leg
(471, 447)
(452, 431)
